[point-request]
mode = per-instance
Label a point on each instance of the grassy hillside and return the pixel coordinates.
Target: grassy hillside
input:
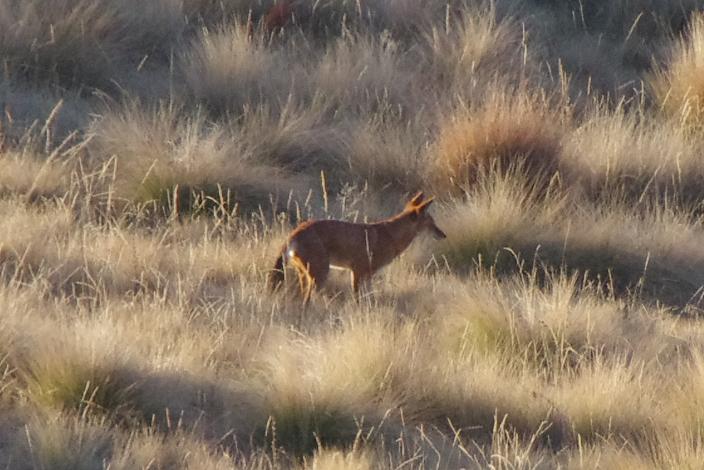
(154, 155)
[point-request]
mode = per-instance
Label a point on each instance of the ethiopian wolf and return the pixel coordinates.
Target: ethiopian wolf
(314, 246)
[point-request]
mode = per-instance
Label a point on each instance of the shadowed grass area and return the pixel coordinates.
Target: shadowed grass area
(508, 229)
(77, 43)
(301, 428)
(75, 387)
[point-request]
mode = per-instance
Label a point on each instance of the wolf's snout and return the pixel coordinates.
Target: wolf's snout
(438, 234)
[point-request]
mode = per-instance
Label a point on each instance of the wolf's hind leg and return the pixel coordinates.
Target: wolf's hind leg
(360, 280)
(318, 273)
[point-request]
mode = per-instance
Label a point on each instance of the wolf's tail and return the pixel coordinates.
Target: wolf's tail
(276, 275)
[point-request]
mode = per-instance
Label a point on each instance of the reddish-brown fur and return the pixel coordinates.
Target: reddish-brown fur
(278, 15)
(362, 248)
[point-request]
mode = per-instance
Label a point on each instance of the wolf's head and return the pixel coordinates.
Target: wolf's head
(417, 211)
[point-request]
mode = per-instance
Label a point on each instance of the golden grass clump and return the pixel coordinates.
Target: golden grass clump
(610, 399)
(356, 72)
(180, 450)
(335, 459)
(684, 404)
(32, 177)
(299, 139)
(181, 163)
(64, 381)
(62, 441)
(471, 48)
(679, 88)
(613, 154)
(553, 328)
(220, 58)
(501, 225)
(386, 156)
(509, 131)
(304, 414)
(46, 43)
(502, 213)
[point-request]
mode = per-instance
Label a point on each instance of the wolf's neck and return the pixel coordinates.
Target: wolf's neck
(401, 232)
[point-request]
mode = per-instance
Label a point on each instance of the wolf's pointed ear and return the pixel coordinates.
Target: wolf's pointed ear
(415, 200)
(423, 206)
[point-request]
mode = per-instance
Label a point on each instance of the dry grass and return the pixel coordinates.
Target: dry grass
(679, 89)
(78, 42)
(508, 131)
(506, 227)
(218, 59)
(32, 177)
(615, 154)
(358, 73)
(182, 162)
(474, 46)
(154, 156)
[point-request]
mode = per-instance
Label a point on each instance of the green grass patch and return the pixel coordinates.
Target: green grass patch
(79, 386)
(302, 427)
